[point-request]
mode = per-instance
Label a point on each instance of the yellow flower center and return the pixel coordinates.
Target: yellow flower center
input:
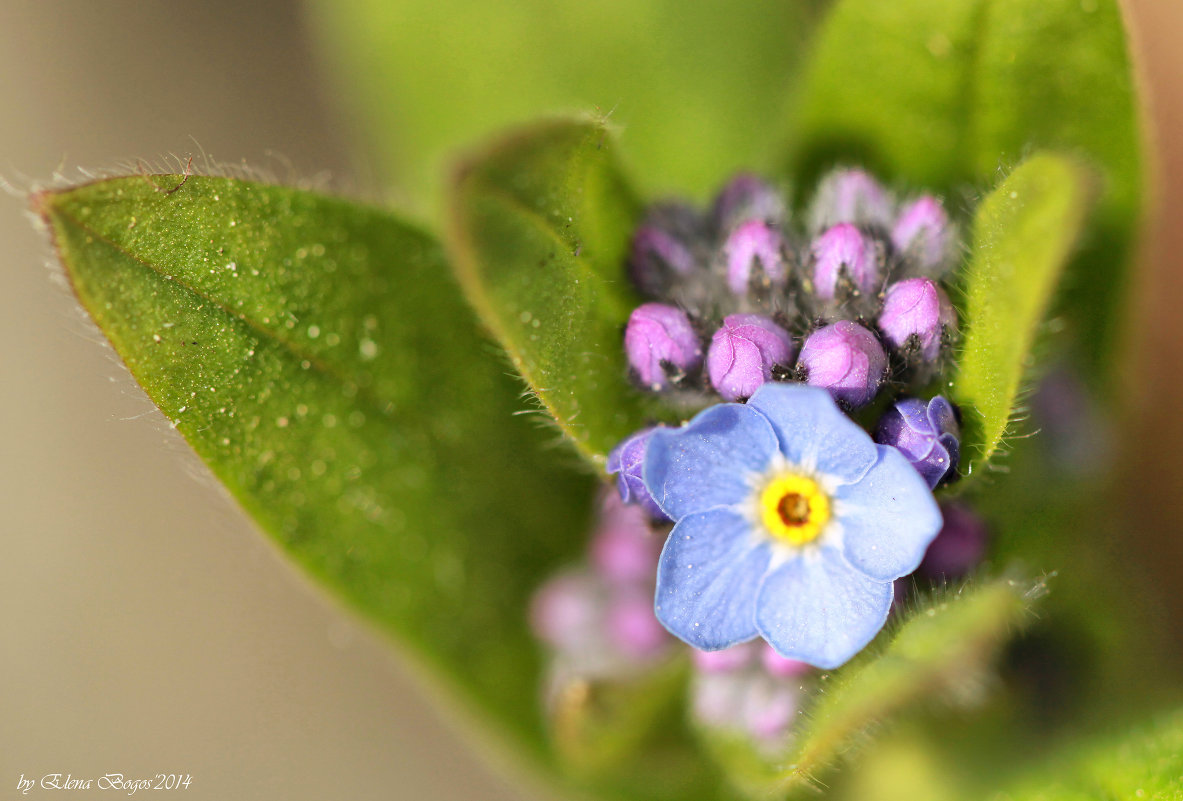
(794, 508)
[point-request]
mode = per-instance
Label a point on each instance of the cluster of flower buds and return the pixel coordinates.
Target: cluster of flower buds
(850, 301)
(739, 296)
(750, 690)
(597, 618)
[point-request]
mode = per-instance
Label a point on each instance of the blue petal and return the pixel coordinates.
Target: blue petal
(888, 519)
(708, 462)
(710, 568)
(820, 610)
(813, 431)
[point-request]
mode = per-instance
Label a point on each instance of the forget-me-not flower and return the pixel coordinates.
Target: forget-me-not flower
(791, 525)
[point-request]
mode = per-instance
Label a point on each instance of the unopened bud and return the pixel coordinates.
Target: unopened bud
(846, 359)
(664, 248)
(755, 248)
(916, 313)
(926, 433)
(922, 233)
(843, 254)
(627, 461)
(744, 352)
(850, 196)
(661, 345)
(747, 197)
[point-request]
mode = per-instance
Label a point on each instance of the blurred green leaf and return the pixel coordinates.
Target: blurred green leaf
(941, 651)
(539, 231)
(942, 95)
(699, 86)
(597, 724)
(1143, 764)
(1023, 235)
(317, 356)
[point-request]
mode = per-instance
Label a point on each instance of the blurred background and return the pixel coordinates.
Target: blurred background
(145, 626)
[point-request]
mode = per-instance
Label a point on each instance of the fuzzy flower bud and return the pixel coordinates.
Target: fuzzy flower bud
(959, 547)
(743, 353)
(850, 196)
(755, 246)
(661, 343)
(627, 461)
(664, 248)
(923, 234)
(846, 359)
(917, 307)
(747, 197)
(926, 433)
(844, 250)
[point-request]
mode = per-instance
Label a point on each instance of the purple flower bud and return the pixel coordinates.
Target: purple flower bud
(850, 196)
(659, 341)
(755, 245)
(664, 248)
(747, 197)
(725, 661)
(744, 351)
(844, 249)
(926, 433)
(959, 546)
(917, 307)
(922, 233)
(781, 666)
(632, 626)
(846, 359)
(627, 461)
(623, 548)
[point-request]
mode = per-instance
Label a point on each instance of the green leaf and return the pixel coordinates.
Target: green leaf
(1023, 234)
(1144, 764)
(317, 356)
(941, 94)
(597, 725)
(940, 652)
(698, 85)
(539, 230)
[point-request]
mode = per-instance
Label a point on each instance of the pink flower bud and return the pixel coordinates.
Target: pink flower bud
(844, 250)
(917, 307)
(755, 247)
(846, 359)
(922, 233)
(743, 353)
(850, 196)
(661, 343)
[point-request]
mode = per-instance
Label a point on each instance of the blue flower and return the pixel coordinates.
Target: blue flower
(791, 525)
